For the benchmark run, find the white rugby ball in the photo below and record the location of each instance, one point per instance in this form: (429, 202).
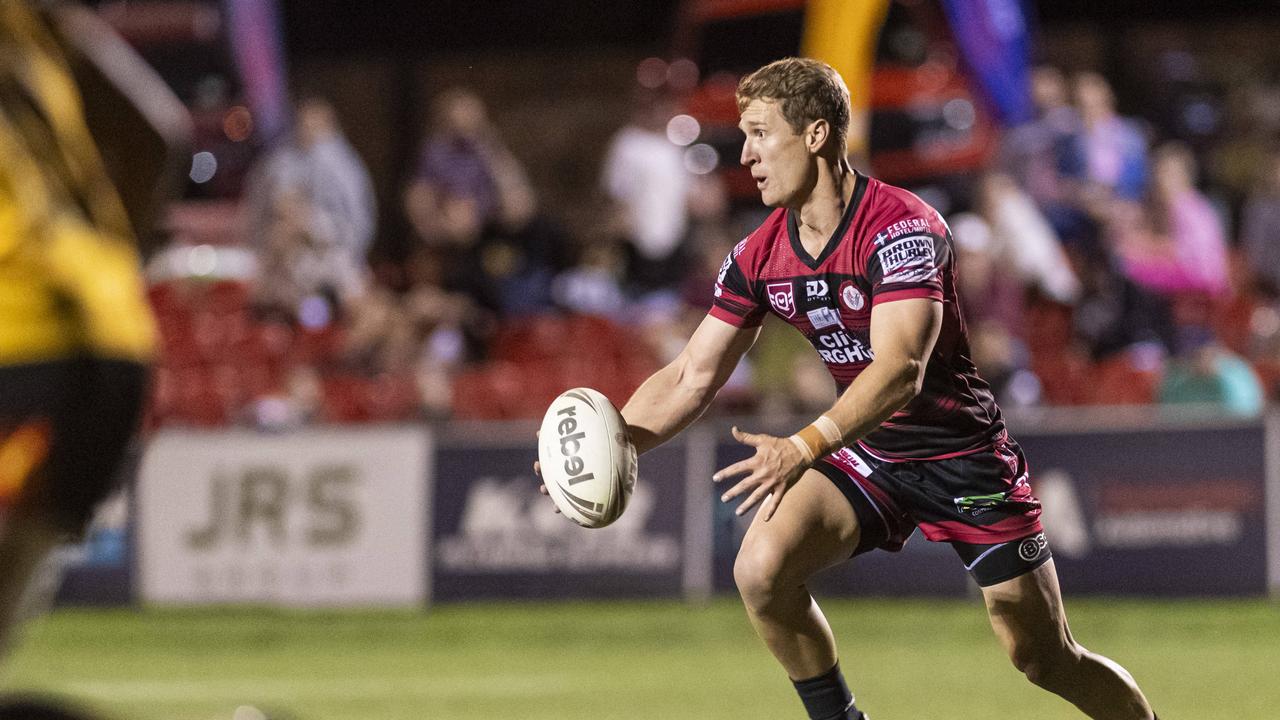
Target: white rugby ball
(587, 458)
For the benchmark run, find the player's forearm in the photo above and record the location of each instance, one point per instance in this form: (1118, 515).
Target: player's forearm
(667, 403)
(882, 389)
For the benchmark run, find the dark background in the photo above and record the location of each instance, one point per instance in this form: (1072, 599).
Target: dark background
(326, 27)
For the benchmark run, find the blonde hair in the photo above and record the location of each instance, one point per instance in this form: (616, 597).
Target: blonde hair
(807, 90)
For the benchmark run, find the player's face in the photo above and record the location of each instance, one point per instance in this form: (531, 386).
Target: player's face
(776, 154)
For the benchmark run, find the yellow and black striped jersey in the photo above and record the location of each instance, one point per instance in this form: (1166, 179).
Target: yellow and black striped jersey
(70, 281)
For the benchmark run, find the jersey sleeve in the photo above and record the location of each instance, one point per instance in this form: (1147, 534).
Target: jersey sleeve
(733, 301)
(908, 254)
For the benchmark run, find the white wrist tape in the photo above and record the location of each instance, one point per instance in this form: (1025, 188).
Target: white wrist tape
(829, 430)
(803, 447)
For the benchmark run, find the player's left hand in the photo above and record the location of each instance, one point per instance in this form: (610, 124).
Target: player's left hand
(775, 467)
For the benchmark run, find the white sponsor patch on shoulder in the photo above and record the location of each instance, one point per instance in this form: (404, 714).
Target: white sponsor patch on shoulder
(724, 269)
(910, 259)
(902, 227)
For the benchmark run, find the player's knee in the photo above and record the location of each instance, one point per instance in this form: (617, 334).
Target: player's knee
(758, 573)
(1046, 665)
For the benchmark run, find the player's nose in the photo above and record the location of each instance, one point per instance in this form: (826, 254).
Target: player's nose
(748, 156)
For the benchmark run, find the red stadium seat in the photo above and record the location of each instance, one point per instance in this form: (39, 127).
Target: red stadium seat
(1065, 376)
(474, 397)
(1117, 381)
(343, 400)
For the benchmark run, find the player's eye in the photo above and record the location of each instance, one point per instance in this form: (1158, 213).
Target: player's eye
(759, 132)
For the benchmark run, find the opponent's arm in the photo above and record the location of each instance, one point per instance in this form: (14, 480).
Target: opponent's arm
(141, 129)
(902, 334)
(679, 393)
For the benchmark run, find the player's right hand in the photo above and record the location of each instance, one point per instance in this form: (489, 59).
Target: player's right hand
(537, 470)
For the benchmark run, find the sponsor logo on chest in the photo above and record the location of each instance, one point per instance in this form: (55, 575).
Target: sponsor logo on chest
(842, 348)
(824, 317)
(815, 289)
(852, 297)
(782, 297)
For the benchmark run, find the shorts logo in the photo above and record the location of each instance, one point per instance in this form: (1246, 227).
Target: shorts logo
(852, 298)
(782, 296)
(815, 288)
(1031, 548)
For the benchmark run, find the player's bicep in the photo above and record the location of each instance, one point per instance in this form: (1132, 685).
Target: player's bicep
(714, 351)
(904, 331)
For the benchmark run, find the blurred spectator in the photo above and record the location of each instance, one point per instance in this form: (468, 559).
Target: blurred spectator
(505, 265)
(1251, 124)
(427, 332)
(1260, 228)
(994, 298)
(1114, 314)
(302, 270)
(594, 285)
(1026, 245)
(463, 162)
(310, 212)
(318, 172)
(1208, 373)
(1109, 157)
(1177, 244)
(1036, 152)
(511, 267)
(990, 293)
(644, 173)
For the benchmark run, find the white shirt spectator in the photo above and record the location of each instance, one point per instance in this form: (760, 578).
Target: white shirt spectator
(645, 172)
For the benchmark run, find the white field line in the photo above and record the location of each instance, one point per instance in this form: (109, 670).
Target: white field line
(267, 690)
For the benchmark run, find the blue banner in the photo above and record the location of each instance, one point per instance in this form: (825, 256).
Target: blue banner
(495, 536)
(254, 34)
(995, 44)
(1154, 512)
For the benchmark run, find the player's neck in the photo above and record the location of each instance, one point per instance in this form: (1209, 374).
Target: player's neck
(820, 213)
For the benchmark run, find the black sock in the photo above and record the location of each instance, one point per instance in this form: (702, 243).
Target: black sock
(826, 697)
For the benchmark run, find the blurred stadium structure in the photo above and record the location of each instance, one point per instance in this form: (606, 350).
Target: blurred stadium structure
(322, 439)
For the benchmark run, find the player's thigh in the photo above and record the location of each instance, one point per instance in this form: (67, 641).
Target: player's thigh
(65, 426)
(813, 528)
(1027, 614)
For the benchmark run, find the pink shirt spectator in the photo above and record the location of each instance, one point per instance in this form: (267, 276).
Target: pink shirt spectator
(1194, 256)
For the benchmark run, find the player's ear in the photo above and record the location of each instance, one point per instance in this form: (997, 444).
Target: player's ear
(817, 135)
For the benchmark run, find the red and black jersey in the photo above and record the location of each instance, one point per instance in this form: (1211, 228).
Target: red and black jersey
(890, 245)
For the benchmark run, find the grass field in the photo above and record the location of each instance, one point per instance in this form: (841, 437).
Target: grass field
(906, 660)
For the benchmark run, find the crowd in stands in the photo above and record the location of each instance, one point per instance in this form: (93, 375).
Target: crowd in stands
(1099, 263)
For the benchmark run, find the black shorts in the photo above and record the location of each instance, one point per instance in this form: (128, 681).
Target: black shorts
(64, 428)
(980, 503)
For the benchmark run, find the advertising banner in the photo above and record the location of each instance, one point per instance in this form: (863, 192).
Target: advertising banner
(315, 517)
(497, 537)
(1154, 512)
(97, 570)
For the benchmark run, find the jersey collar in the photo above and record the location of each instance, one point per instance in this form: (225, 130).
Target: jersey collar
(793, 227)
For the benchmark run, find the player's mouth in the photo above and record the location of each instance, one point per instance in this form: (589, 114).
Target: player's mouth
(760, 182)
